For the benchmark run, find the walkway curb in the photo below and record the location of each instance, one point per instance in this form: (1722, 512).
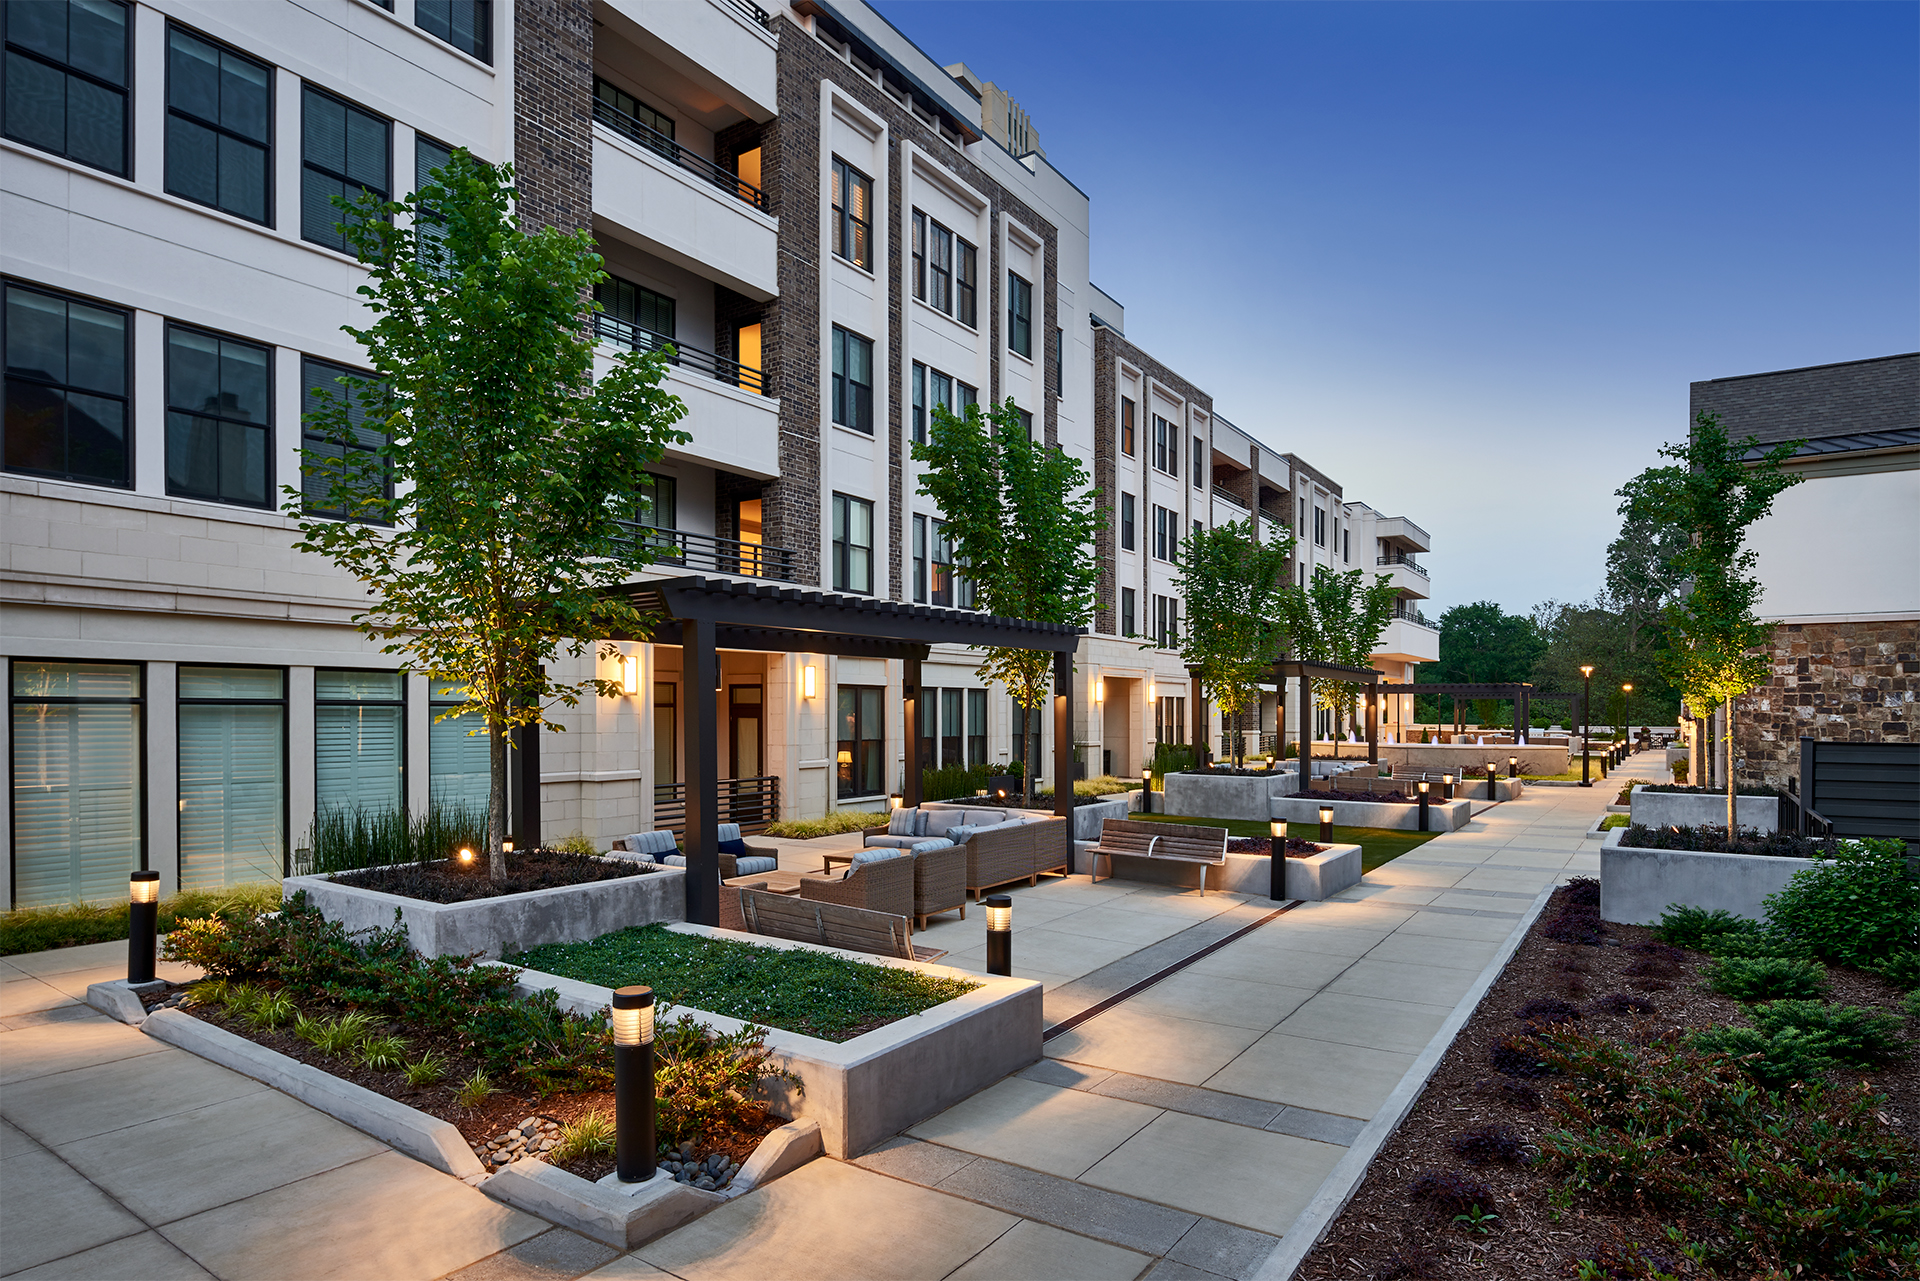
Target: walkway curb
(1339, 1186)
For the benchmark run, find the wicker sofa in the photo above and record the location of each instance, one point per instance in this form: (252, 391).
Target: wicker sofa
(1000, 848)
(660, 847)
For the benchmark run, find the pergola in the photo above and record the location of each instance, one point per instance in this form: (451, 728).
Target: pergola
(705, 615)
(1286, 668)
(1520, 692)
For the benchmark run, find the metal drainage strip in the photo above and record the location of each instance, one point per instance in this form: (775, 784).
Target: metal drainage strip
(1101, 1007)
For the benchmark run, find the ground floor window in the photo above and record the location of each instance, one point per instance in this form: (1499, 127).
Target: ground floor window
(77, 814)
(1033, 723)
(459, 754)
(359, 741)
(233, 775)
(1169, 719)
(861, 754)
(666, 735)
(976, 727)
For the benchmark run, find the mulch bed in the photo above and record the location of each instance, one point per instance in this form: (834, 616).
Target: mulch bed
(488, 1121)
(1383, 1234)
(1388, 798)
(1296, 848)
(455, 882)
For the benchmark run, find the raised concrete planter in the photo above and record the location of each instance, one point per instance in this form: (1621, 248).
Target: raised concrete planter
(1225, 796)
(1442, 816)
(494, 927)
(1088, 818)
(1636, 885)
(425, 1138)
(1693, 809)
(866, 1090)
(1441, 758)
(1313, 878)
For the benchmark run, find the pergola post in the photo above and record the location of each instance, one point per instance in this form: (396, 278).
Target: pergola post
(525, 779)
(910, 700)
(1280, 718)
(1063, 734)
(1373, 722)
(700, 671)
(1523, 719)
(1306, 729)
(1202, 749)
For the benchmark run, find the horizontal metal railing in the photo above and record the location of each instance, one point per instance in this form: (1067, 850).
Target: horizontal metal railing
(1401, 558)
(658, 143)
(754, 11)
(751, 802)
(730, 556)
(719, 368)
(1405, 615)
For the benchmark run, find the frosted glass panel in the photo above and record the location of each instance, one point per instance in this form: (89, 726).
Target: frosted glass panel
(76, 782)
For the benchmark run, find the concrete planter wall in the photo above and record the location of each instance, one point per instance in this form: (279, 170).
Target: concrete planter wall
(1226, 796)
(1441, 758)
(865, 1091)
(1313, 878)
(1442, 816)
(1694, 809)
(510, 923)
(1636, 885)
(1088, 818)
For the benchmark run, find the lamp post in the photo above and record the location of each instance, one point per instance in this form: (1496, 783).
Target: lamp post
(1000, 935)
(1586, 725)
(1326, 824)
(1146, 791)
(1277, 884)
(1446, 787)
(1627, 689)
(633, 1083)
(1423, 804)
(143, 917)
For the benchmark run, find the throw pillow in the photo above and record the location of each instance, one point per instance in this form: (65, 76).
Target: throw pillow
(960, 833)
(936, 843)
(733, 847)
(904, 822)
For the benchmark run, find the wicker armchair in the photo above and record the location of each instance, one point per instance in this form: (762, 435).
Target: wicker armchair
(1021, 853)
(939, 883)
(885, 885)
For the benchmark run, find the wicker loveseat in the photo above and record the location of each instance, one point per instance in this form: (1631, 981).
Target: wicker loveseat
(660, 847)
(1000, 846)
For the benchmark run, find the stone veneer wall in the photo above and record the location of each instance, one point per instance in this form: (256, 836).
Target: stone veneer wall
(1853, 682)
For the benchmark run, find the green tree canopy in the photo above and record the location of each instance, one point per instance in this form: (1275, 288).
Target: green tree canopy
(1336, 618)
(1232, 586)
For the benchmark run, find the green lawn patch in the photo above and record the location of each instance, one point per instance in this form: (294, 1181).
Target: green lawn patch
(1377, 844)
(41, 929)
(813, 993)
(1612, 821)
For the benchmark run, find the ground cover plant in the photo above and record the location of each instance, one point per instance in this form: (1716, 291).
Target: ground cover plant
(1713, 840)
(1294, 847)
(797, 989)
(1378, 845)
(454, 881)
(39, 929)
(832, 824)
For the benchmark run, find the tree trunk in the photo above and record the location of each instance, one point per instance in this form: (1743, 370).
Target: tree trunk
(497, 801)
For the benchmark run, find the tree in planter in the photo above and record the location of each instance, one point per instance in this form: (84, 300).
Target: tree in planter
(1711, 496)
(1231, 585)
(1336, 618)
(481, 484)
(1021, 521)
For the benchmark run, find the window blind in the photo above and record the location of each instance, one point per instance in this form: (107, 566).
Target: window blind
(459, 764)
(77, 823)
(358, 740)
(233, 777)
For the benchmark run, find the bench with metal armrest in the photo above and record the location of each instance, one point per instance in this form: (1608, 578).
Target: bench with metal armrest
(1127, 838)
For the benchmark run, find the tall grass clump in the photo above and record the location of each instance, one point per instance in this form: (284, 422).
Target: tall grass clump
(348, 838)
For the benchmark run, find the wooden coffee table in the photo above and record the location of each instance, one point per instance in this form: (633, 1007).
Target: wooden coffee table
(775, 882)
(827, 861)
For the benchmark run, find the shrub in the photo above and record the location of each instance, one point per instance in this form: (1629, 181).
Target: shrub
(575, 842)
(427, 1069)
(1766, 979)
(592, 1133)
(337, 1036)
(1759, 945)
(1625, 1003)
(1713, 840)
(1788, 1056)
(1686, 926)
(1573, 926)
(1657, 960)
(1856, 907)
(40, 929)
(834, 823)
(708, 1080)
(1583, 891)
(1903, 968)
(1544, 1010)
(348, 838)
(1525, 1097)
(949, 781)
(383, 1053)
(1449, 1193)
(475, 1090)
(1850, 1033)
(1913, 1005)
(1486, 1143)
(271, 1010)
(1518, 1056)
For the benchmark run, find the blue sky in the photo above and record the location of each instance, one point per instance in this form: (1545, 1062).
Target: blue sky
(1466, 258)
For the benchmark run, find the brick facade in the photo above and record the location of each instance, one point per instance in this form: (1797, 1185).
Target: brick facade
(553, 113)
(1853, 682)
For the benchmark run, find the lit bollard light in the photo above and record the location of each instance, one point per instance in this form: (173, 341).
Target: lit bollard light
(1326, 824)
(1277, 882)
(1000, 935)
(143, 918)
(1446, 787)
(1423, 785)
(633, 1084)
(1513, 767)
(1146, 791)
(1493, 779)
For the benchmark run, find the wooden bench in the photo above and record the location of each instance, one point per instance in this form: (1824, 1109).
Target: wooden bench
(1206, 846)
(856, 929)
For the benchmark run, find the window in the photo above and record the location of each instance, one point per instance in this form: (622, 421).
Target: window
(1027, 732)
(344, 152)
(1346, 544)
(1319, 527)
(952, 726)
(927, 716)
(919, 403)
(1126, 426)
(66, 77)
(976, 727)
(218, 418)
(940, 268)
(852, 545)
(621, 112)
(1199, 463)
(920, 559)
(944, 269)
(862, 741)
(634, 314)
(963, 395)
(1126, 611)
(1019, 316)
(919, 255)
(78, 813)
(1026, 423)
(467, 25)
(1166, 622)
(1126, 522)
(965, 284)
(233, 775)
(942, 556)
(359, 741)
(428, 158)
(321, 387)
(658, 505)
(219, 127)
(1198, 528)
(942, 390)
(66, 396)
(1059, 362)
(852, 214)
(1170, 719)
(666, 738)
(852, 380)
(459, 754)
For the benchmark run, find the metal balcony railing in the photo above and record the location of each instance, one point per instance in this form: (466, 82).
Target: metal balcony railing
(754, 11)
(1408, 614)
(1221, 491)
(1401, 558)
(751, 802)
(729, 556)
(718, 368)
(653, 140)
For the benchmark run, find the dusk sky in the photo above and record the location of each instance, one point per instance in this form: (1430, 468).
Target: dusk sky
(1466, 258)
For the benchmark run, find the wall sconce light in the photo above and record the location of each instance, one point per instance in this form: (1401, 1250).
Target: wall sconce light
(1326, 824)
(807, 678)
(1277, 873)
(630, 674)
(1000, 935)
(633, 1083)
(1150, 688)
(143, 916)
(1099, 689)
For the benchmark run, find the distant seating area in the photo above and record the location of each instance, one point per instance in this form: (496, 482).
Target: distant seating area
(829, 924)
(737, 858)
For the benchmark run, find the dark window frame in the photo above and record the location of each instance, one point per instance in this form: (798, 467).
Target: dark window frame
(919, 403)
(844, 546)
(845, 179)
(1127, 539)
(309, 91)
(852, 400)
(940, 269)
(1019, 315)
(482, 27)
(310, 439)
(268, 147)
(1127, 619)
(1126, 426)
(966, 283)
(919, 559)
(400, 702)
(124, 90)
(864, 698)
(267, 428)
(1199, 463)
(129, 436)
(285, 704)
(919, 255)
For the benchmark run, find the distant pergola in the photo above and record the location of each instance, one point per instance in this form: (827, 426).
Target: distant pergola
(1520, 693)
(705, 615)
(1287, 668)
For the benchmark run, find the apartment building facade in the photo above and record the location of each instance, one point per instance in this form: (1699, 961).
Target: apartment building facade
(812, 212)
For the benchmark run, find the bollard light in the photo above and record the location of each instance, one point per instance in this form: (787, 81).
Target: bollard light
(1493, 777)
(506, 846)
(1326, 824)
(1513, 767)
(1146, 791)
(1446, 787)
(143, 916)
(1424, 801)
(633, 1084)
(1586, 725)
(1000, 935)
(1277, 885)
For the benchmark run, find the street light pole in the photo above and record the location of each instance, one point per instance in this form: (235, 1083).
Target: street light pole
(1586, 727)
(1627, 689)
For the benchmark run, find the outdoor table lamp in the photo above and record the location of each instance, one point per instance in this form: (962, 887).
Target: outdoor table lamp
(1000, 935)
(1513, 767)
(1423, 785)
(1493, 777)
(1277, 831)
(1446, 787)
(1326, 824)
(633, 1083)
(143, 915)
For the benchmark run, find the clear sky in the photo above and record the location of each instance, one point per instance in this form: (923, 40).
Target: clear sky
(1465, 258)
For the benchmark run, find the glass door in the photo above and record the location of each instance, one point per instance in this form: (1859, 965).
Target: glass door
(743, 738)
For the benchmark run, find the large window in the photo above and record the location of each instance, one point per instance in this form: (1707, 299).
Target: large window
(1166, 533)
(1166, 446)
(1170, 719)
(1199, 463)
(459, 753)
(467, 25)
(942, 577)
(430, 156)
(659, 504)
(919, 403)
(1126, 611)
(852, 214)
(976, 727)
(219, 421)
(920, 560)
(852, 380)
(966, 283)
(78, 817)
(625, 111)
(945, 270)
(666, 736)
(233, 775)
(1019, 316)
(1126, 426)
(359, 741)
(1319, 527)
(345, 152)
(1166, 622)
(364, 472)
(66, 78)
(639, 316)
(1126, 522)
(219, 127)
(852, 545)
(66, 390)
(861, 749)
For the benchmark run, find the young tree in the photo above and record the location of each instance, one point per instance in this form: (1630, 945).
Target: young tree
(1711, 496)
(1336, 618)
(482, 481)
(1021, 520)
(1231, 586)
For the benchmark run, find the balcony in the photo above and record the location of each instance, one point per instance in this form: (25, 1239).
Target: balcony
(681, 356)
(1407, 640)
(676, 549)
(724, 47)
(735, 424)
(1401, 558)
(1406, 574)
(1406, 531)
(1412, 614)
(639, 131)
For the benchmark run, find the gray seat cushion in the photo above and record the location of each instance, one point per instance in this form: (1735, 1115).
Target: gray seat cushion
(877, 854)
(887, 841)
(938, 821)
(754, 865)
(936, 843)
